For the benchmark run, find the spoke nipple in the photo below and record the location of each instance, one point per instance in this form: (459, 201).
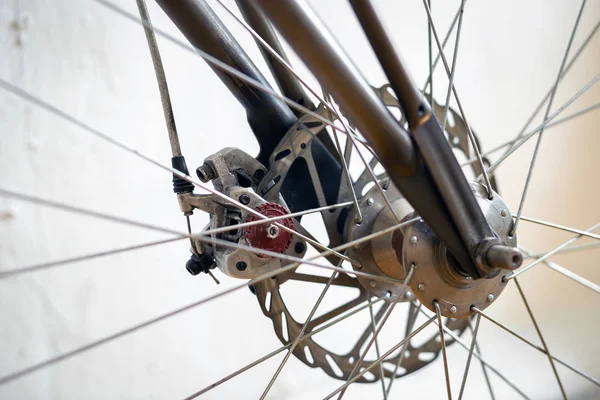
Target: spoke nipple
(370, 201)
(414, 240)
(490, 297)
(453, 310)
(373, 284)
(421, 286)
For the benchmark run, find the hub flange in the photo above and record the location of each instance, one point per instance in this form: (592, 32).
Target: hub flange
(436, 277)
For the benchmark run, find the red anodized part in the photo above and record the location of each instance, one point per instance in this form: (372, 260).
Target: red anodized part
(258, 235)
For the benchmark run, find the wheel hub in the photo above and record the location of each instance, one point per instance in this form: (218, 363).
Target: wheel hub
(436, 278)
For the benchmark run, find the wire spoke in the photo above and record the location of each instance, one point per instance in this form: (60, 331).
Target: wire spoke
(52, 264)
(539, 332)
(345, 165)
(430, 48)
(472, 139)
(561, 227)
(453, 69)
(507, 329)
(484, 368)
(126, 221)
(231, 244)
(299, 337)
(25, 95)
(379, 327)
(547, 125)
(366, 164)
(26, 371)
(410, 323)
(541, 134)
(572, 249)
(473, 343)
(564, 271)
(528, 136)
(377, 352)
(275, 352)
(443, 343)
(222, 66)
(548, 255)
(566, 69)
(478, 356)
(444, 42)
(383, 357)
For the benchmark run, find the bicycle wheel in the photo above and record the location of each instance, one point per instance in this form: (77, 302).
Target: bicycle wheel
(95, 301)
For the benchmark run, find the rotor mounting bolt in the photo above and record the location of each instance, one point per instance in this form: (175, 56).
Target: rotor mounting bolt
(272, 231)
(370, 201)
(453, 310)
(258, 175)
(421, 286)
(241, 266)
(503, 213)
(490, 297)
(408, 294)
(299, 247)
(414, 240)
(244, 199)
(372, 284)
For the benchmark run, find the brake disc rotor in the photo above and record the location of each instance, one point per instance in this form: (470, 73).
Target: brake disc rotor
(378, 258)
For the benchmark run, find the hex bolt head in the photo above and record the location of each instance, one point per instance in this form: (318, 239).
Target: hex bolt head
(414, 240)
(244, 199)
(503, 213)
(241, 266)
(490, 297)
(299, 247)
(408, 294)
(370, 201)
(373, 284)
(453, 310)
(421, 286)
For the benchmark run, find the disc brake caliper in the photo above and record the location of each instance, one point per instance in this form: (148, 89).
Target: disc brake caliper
(240, 252)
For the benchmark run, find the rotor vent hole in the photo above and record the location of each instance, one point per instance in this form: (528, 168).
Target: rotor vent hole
(426, 357)
(378, 169)
(450, 121)
(336, 368)
(392, 367)
(284, 327)
(268, 301)
(282, 154)
(395, 111)
(308, 355)
(368, 375)
(367, 187)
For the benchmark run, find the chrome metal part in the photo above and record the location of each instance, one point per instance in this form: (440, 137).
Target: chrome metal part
(381, 256)
(438, 280)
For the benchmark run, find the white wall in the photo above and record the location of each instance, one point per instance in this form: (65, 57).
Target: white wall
(93, 64)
